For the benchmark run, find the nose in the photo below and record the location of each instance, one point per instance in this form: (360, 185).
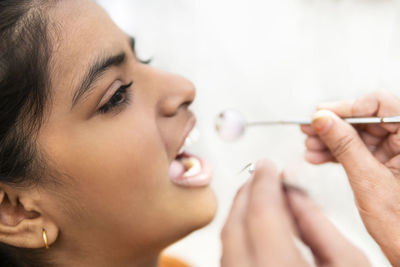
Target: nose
(178, 93)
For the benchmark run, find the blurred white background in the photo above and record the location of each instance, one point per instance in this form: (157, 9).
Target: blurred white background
(269, 59)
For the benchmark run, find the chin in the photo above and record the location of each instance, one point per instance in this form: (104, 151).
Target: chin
(199, 213)
(204, 212)
(207, 209)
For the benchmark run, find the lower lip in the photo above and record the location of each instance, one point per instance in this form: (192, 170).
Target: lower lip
(203, 178)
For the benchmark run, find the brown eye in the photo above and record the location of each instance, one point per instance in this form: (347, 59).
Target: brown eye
(116, 98)
(119, 97)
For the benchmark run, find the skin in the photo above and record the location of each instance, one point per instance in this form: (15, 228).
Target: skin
(264, 219)
(113, 203)
(370, 157)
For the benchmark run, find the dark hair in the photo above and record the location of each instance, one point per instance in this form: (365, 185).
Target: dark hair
(24, 90)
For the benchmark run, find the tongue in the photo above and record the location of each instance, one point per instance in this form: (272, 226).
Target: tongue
(176, 170)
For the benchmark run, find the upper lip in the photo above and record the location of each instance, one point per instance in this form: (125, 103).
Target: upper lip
(188, 128)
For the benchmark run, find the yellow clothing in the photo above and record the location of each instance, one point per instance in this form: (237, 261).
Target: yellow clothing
(167, 261)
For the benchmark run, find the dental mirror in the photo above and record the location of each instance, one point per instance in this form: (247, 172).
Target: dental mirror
(231, 124)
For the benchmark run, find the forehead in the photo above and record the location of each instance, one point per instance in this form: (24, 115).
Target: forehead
(83, 31)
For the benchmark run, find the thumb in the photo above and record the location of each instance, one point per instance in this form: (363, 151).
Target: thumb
(346, 146)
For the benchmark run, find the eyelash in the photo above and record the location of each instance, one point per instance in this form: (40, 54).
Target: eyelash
(111, 104)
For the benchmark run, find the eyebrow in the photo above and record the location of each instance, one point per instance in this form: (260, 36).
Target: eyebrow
(97, 69)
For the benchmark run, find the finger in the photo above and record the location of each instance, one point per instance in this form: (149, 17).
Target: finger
(265, 187)
(343, 142)
(238, 210)
(234, 243)
(319, 157)
(268, 224)
(394, 165)
(369, 139)
(389, 148)
(266, 209)
(388, 105)
(346, 146)
(381, 155)
(315, 144)
(342, 108)
(372, 149)
(286, 186)
(327, 244)
(376, 130)
(367, 105)
(379, 103)
(308, 130)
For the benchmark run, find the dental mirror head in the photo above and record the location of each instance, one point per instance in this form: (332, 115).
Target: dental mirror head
(230, 125)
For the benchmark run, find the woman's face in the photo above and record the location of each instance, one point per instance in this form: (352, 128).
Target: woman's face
(114, 129)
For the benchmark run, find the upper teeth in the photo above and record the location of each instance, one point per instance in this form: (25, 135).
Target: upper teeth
(190, 139)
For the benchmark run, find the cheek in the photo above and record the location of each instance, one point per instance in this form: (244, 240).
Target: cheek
(114, 167)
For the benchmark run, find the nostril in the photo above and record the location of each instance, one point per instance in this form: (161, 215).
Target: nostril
(171, 112)
(179, 93)
(186, 104)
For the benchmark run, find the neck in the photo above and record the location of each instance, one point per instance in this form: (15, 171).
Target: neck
(102, 259)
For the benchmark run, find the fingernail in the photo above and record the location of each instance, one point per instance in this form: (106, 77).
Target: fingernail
(322, 122)
(266, 165)
(259, 164)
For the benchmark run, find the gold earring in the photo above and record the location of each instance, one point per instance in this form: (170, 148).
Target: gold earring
(44, 234)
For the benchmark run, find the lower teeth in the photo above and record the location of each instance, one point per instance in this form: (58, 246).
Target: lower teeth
(192, 166)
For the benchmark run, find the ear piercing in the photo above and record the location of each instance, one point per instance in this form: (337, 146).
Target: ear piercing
(44, 234)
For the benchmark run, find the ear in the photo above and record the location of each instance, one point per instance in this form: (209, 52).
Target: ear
(22, 220)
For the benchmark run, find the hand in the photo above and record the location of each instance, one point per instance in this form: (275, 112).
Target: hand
(260, 229)
(370, 156)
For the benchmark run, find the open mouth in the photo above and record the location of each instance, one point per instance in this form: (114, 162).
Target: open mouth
(191, 164)
(187, 169)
